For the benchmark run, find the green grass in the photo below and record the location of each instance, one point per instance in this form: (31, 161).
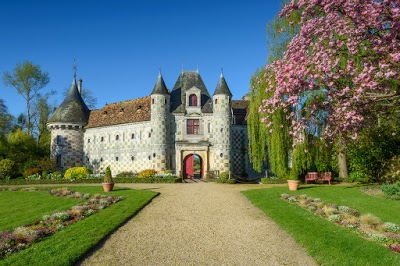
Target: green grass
(71, 243)
(326, 242)
(19, 208)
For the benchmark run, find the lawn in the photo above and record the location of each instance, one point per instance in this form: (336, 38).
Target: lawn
(326, 242)
(71, 243)
(19, 207)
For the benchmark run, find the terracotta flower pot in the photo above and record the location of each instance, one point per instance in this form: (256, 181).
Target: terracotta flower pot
(293, 184)
(108, 187)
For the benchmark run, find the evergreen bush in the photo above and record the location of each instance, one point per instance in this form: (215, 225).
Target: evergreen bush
(7, 168)
(108, 176)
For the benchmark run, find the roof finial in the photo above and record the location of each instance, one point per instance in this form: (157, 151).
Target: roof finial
(222, 73)
(74, 68)
(197, 69)
(159, 71)
(182, 67)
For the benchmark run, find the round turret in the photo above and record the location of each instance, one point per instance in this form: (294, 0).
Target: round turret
(67, 128)
(160, 105)
(222, 125)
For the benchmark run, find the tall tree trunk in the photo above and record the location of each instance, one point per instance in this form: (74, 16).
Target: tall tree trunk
(28, 111)
(342, 162)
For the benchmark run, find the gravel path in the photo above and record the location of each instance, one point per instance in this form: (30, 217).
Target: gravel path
(199, 224)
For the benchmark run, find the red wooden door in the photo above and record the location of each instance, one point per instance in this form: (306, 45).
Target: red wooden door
(188, 165)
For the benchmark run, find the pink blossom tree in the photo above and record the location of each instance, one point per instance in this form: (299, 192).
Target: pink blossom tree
(347, 49)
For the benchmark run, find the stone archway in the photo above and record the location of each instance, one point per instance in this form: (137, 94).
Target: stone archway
(193, 166)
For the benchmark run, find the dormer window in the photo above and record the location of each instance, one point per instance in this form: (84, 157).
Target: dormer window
(193, 100)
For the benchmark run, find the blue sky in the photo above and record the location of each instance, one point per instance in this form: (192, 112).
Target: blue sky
(119, 46)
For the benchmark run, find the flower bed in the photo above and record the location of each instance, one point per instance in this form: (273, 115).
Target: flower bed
(368, 225)
(21, 237)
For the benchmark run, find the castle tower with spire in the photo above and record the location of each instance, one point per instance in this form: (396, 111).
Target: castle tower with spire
(222, 112)
(160, 120)
(67, 129)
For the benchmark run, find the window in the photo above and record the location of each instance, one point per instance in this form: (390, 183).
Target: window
(58, 140)
(88, 140)
(102, 139)
(116, 158)
(117, 137)
(101, 159)
(216, 101)
(132, 136)
(192, 100)
(193, 126)
(132, 158)
(152, 101)
(149, 135)
(58, 160)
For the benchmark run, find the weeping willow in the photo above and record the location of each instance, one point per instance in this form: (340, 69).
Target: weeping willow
(270, 145)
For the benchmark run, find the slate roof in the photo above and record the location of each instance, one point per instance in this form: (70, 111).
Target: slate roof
(160, 87)
(73, 109)
(222, 87)
(187, 80)
(137, 110)
(240, 111)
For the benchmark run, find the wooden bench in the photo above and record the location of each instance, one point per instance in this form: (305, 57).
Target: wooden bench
(315, 176)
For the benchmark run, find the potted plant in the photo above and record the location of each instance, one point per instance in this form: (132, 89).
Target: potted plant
(294, 181)
(108, 182)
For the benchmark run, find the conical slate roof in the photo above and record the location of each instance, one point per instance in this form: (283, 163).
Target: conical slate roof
(222, 87)
(73, 109)
(160, 87)
(186, 81)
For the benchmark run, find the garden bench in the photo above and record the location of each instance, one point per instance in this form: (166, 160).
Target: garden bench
(323, 176)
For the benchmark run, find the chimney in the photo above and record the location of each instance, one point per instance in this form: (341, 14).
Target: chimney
(80, 86)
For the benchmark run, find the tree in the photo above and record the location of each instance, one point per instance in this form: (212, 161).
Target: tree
(28, 79)
(5, 119)
(266, 144)
(42, 113)
(350, 50)
(87, 96)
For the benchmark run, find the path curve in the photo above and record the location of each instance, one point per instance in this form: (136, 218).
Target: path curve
(199, 224)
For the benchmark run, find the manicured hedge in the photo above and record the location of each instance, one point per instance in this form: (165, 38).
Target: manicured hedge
(266, 180)
(88, 180)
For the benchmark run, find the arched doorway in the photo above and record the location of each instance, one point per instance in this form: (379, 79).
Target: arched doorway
(193, 166)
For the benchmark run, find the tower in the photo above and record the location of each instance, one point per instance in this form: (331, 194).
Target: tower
(160, 119)
(222, 126)
(67, 128)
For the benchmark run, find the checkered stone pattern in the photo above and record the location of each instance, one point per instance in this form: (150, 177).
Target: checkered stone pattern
(123, 148)
(239, 150)
(67, 142)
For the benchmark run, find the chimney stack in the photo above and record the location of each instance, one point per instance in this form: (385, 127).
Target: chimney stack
(80, 86)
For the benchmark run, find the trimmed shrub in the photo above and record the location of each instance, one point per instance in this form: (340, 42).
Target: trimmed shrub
(126, 174)
(391, 190)
(225, 180)
(32, 171)
(47, 164)
(267, 180)
(224, 175)
(147, 173)
(7, 168)
(108, 176)
(79, 172)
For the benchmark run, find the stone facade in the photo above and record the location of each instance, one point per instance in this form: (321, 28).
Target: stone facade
(158, 132)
